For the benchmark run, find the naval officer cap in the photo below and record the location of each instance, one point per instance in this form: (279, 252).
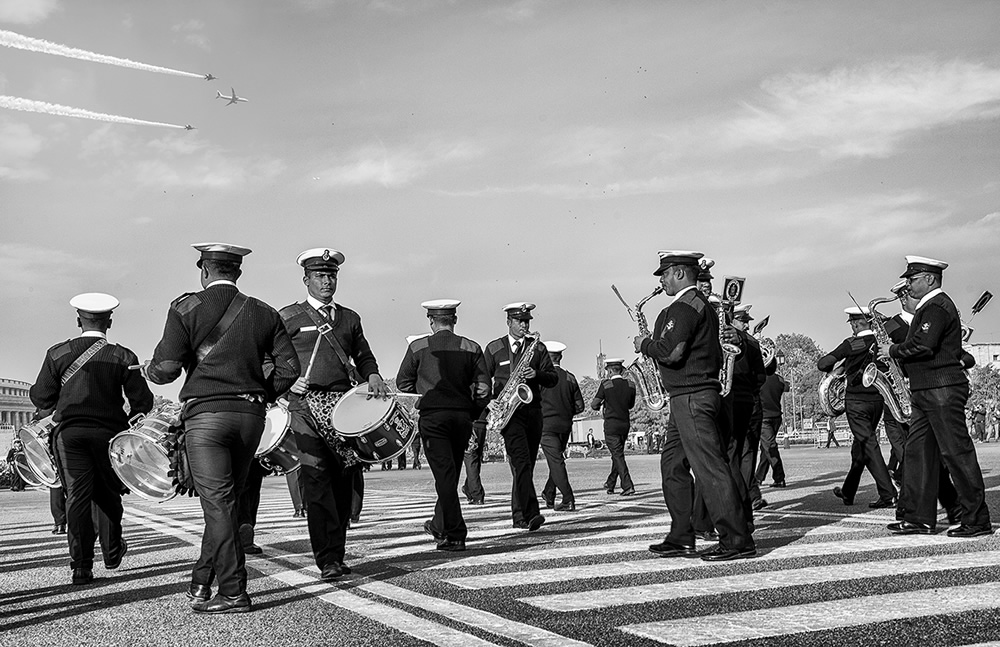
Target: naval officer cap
(855, 312)
(918, 264)
(520, 310)
(670, 258)
(441, 306)
(743, 312)
(705, 266)
(323, 259)
(613, 362)
(220, 252)
(555, 346)
(93, 305)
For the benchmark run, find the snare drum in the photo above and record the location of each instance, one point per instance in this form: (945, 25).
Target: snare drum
(378, 430)
(35, 436)
(24, 470)
(276, 450)
(143, 456)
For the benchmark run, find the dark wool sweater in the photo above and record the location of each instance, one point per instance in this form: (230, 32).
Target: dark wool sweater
(448, 371)
(561, 402)
(932, 354)
(690, 320)
(617, 395)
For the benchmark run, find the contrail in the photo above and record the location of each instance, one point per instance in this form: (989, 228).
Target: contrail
(27, 105)
(17, 41)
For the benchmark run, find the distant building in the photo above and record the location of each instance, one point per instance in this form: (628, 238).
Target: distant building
(15, 406)
(987, 354)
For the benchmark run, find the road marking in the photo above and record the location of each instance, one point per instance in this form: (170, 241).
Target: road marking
(601, 599)
(817, 616)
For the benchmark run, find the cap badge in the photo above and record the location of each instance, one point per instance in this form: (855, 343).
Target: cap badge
(326, 254)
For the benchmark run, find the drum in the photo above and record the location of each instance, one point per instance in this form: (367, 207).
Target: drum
(378, 430)
(143, 456)
(276, 450)
(35, 436)
(24, 470)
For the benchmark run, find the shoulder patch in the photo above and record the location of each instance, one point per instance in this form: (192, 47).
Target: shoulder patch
(289, 312)
(495, 346)
(468, 345)
(693, 299)
(924, 327)
(59, 350)
(185, 303)
(419, 344)
(858, 344)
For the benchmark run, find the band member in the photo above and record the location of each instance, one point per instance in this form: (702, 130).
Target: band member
(559, 405)
(327, 337)
(84, 379)
(222, 339)
(449, 373)
(745, 408)
(616, 396)
(932, 358)
(770, 402)
(863, 406)
(523, 433)
(685, 344)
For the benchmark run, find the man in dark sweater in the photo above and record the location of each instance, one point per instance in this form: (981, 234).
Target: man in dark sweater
(932, 358)
(559, 404)
(770, 402)
(616, 396)
(83, 379)
(222, 339)
(863, 406)
(327, 338)
(744, 404)
(449, 373)
(685, 344)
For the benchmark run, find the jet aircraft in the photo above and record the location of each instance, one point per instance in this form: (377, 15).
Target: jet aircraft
(189, 127)
(232, 99)
(209, 77)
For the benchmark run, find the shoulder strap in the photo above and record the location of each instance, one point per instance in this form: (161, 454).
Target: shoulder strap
(83, 359)
(325, 329)
(234, 309)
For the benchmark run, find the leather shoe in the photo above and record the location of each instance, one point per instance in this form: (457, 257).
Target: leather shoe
(62, 529)
(566, 506)
(452, 545)
(720, 554)
(252, 549)
(429, 529)
(610, 489)
(628, 492)
(116, 560)
(839, 493)
(777, 484)
(910, 528)
(707, 535)
(55, 529)
(477, 502)
(331, 572)
(883, 503)
(345, 569)
(246, 538)
(224, 604)
(970, 531)
(536, 523)
(955, 515)
(550, 503)
(667, 548)
(199, 592)
(83, 576)
(759, 503)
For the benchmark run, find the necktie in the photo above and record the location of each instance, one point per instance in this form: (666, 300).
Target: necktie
(517, 347)
(325, 311)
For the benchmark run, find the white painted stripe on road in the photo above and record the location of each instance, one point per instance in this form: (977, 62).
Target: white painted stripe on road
(817, 616)
(660, 565)
(476, 618)
(590, 600)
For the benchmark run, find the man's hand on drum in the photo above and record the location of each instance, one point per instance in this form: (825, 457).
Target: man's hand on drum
(300, 387)
(376, 387)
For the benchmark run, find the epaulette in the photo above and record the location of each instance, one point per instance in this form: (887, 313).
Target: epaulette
(495, 346)
(289, 312)
(59, 350)
(691, 298)
(419, 344)
(468, 345)
(858, 344)
(185, 303)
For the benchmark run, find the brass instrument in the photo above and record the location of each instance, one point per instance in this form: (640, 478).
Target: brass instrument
(729, 351)
(515, 392)
(832, 389)
(768, 349)
(887, 378)
(643, 371)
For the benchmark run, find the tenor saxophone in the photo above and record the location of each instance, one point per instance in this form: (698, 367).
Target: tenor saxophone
(887, 378)
(643, 370)
(729, 353)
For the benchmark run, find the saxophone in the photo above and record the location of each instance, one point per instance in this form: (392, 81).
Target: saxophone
(515, 392)
(644, 371)
(888, 380)
(729, 352)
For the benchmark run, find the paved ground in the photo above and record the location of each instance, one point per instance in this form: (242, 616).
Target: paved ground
(827, 574)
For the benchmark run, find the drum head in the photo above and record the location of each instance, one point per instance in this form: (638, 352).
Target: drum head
(142, 465)
(355, 413)
(36, 454)
(275, 423)
(24, 470)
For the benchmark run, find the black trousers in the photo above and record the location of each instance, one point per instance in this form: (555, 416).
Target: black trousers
(57, 505)
(328, 489)
(473, 487)
(249, 500)
(85, 468)
(770, 457)
(741, 449)
(896, 433)
(445, 437)
(521, 438)
(938, 435)
(694, 444)
(553, 446)
(863, 417)
(615, 437)
(220, 447)
(357, 492)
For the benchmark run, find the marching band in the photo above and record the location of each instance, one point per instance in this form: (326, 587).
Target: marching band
(284, 387)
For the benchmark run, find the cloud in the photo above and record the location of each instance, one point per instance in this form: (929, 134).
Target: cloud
(376, 164)
(18, 147)
(193, 33)
(26, 12)
(21, 264)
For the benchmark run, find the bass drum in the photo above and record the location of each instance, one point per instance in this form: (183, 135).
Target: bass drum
(378, 430)
(276, 450)
(36, 438)
(143, 456)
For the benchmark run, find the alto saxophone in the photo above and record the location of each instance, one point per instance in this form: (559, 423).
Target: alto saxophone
(729, 353)
(887, 379)
(515, 392)
(644, 371)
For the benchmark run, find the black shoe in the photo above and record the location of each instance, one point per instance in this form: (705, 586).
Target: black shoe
(224, 604)
(297, 515)
(429, 529)
(955, 515)
(62, 529)
(777, 484)
(345, 569)
(728, 554)
(706, 535)
(116, 560)
(883, 503)
(452, 545)
(759, 504)
(535, 523)
(331, 572)
(566, 506)
(83, 576)
(246, 538)
(521, 525)
(909, 528)
(55, 529)
(199, 592)
(839, 493)
(477, 502)
(667, 548)
(628, 492)
(252, 549)
(549, 503)
(966, 532)
(610, 489)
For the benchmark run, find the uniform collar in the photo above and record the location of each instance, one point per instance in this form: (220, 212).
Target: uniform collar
(682, 291)
(864, 333)
(94, 333)
(511, 341)
(317, 304)
(221, 282)
(618, 377)
(927, 297)
(906, 316)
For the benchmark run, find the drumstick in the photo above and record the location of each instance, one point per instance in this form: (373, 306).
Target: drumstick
(395, 394)
(319, 338)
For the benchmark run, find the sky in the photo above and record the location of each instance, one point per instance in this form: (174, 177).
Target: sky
(495, 152)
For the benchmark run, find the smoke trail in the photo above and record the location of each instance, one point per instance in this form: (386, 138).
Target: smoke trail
(17, 41)
(27, 105)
